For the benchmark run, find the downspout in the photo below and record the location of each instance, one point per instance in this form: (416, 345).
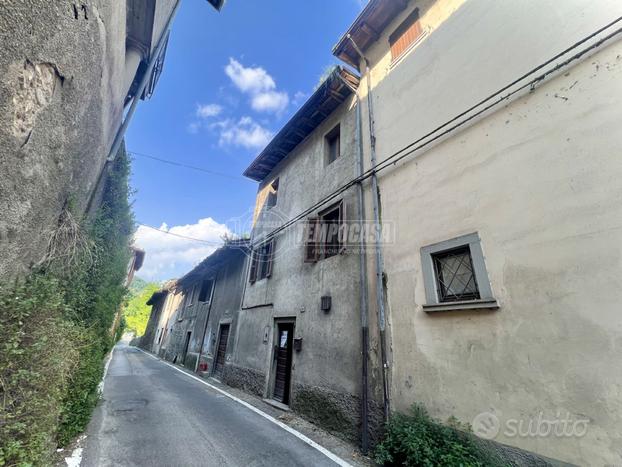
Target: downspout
(363, 288)
(118, 139)
(377, 237)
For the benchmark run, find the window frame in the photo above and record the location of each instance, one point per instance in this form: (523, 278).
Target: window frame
(486, 298)
(316, 251)
(262, 261)
(209, 294)
(413, 19)
(332, 135)
(273, 195)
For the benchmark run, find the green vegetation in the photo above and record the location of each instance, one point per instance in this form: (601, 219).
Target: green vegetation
(136, 312)
(57, 325)
(418, 440)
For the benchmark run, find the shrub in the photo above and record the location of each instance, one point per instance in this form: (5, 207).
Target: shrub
(57, 325)
(417, 440)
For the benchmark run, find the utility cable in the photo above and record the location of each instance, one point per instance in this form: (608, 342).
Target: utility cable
(193, 167)
(414, 146)
(209, 242)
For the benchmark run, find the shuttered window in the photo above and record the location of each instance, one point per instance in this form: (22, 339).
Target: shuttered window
(261, 261)
(405, 35)
(322, 234)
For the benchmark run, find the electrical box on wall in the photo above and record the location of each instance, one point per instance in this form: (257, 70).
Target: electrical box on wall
(325, 303)
(298, 344)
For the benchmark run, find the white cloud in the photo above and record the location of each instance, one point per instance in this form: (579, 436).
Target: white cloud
(259, 85)
(299, 98)
(271, 101)
(169, 256)
(208, 110)
(249, 80)
(245, 132)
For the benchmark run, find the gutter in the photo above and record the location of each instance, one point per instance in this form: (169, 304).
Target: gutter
(380, 297)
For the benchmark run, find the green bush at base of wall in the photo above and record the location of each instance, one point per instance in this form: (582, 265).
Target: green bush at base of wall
(417, 440)
(55, 330)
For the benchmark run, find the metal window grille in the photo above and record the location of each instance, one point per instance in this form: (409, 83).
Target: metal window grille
(455, 275)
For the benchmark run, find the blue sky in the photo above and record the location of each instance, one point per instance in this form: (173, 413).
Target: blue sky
(230, 81)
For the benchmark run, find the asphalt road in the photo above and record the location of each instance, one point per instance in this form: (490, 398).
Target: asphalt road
(154, 415)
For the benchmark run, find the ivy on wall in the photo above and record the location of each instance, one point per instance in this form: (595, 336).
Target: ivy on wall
(56, 327)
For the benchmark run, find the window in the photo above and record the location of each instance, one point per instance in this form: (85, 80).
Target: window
(454, 275)
(205, 293)
(455, 278)
(273, 194)
(322, 237)
(261, 261)
(333, 145)
(405, 35)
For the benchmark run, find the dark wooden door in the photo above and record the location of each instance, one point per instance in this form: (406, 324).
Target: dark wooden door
(186, 346)
(221, 352)
(283, 352)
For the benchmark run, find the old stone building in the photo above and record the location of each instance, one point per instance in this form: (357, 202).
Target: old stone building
(68, 70)
(476, 163)
(494, 135)
(194, 319)
(299, 337)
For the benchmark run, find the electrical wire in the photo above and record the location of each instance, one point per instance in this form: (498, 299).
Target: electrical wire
(415, 146)
(193, 167)
(180, 236)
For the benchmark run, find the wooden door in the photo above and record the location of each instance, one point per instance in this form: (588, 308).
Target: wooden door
(283, 351)
(221, 352)
(186, 346)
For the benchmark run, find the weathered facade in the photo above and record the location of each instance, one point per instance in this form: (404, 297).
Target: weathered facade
(308, 301)
(194, 319)
(488, 157)
(526, 193)
(67, 72)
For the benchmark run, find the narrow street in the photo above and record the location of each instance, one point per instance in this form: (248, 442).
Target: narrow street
(153, 415)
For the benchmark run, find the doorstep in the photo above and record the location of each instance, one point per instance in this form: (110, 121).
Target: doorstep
(277, 404)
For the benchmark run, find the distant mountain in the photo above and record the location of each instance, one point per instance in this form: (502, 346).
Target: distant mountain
(137, 285)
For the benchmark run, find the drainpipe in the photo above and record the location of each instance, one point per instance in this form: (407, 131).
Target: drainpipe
(377, 238)
(363, 288)
(130, 61)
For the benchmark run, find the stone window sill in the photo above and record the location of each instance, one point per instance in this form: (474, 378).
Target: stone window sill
(487, 304)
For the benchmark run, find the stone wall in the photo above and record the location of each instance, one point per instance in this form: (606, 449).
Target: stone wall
(247, 379)
(61, 97)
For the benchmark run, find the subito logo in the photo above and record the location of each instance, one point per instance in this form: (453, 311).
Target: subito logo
(486, 425)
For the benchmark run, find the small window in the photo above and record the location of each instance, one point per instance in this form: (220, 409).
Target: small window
(273, 194)
(333, 145)
(405, 35)
(455, 276)
(261, 261)
(205, 293)
(322, 237)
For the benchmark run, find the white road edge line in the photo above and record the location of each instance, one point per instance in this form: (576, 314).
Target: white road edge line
(100, 386)
(338, 460)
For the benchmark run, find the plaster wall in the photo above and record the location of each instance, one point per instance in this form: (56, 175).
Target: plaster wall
(330, 360)
(538, 179)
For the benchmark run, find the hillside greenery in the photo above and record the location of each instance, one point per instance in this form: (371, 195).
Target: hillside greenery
(136, 312)
(57, 325)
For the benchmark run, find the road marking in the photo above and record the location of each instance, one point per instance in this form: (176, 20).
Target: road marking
(338, 460)
(100, 386)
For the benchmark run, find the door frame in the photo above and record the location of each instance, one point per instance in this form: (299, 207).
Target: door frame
(273, 357)
(217, 345)
(186, 347)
